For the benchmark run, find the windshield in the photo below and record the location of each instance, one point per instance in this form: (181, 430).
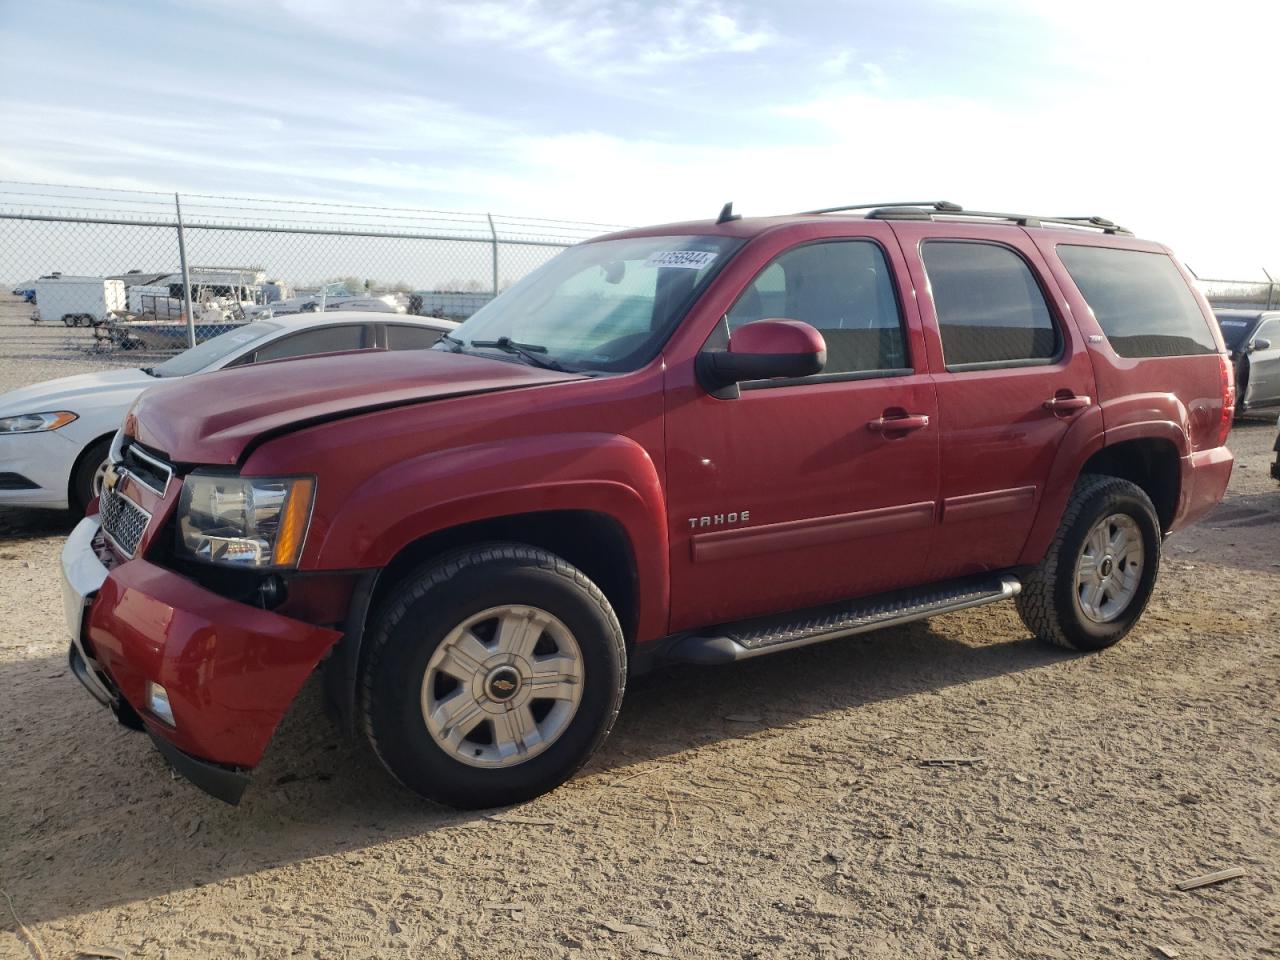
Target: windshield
(214, 349)
(1234, 330)
(606, 306)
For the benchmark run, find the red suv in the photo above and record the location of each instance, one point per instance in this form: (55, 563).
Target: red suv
(697, 442)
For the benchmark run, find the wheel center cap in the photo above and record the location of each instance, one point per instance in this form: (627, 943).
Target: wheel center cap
(1106, 566)
(502, 683)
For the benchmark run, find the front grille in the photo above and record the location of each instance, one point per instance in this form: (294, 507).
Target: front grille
(123, 521)
(147, 468)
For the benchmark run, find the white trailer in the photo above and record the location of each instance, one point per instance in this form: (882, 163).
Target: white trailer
(77, 301)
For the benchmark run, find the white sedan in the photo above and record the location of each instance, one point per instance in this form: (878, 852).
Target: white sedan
(55, 436)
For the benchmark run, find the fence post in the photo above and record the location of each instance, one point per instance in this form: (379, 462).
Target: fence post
(186, 275)
(1271, 288)
(494, 233)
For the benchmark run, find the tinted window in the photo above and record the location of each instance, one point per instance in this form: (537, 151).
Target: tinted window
(322, 340)
(1269, 330)
(990, 308)
(843, 288)
(401, 337)
(1142, 303)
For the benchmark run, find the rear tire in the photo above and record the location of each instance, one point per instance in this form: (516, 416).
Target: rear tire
(87, 471)
(1098, 574)
(492, 675)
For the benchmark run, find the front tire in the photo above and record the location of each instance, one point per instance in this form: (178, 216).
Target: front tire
(1098, 574)
(492, 675)
(86, 481)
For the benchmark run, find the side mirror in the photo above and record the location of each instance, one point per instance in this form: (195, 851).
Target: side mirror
(1262, 343)
(764, 350)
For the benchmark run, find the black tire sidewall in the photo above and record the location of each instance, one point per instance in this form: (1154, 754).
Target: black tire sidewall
(82, 479)
(413, 631)
(1086, 634)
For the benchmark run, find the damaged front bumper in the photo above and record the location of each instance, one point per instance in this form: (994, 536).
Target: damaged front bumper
(228, 670)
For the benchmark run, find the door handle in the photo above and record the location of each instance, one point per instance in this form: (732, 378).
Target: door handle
(1067, 404)
(917, 421)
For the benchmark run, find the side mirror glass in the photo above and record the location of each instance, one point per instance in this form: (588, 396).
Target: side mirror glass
(763, 350)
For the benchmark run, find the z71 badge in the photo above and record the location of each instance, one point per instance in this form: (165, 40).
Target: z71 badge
(720, 519)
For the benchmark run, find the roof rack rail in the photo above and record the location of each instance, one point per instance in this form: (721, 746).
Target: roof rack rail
(923, 212)
(941, 206)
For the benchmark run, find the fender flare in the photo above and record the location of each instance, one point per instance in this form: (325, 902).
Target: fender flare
(1070, 461)
(606, 474)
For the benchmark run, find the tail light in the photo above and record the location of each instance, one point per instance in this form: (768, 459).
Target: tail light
(1228, 397)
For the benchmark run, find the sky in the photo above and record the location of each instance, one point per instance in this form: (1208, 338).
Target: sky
(1161, 116)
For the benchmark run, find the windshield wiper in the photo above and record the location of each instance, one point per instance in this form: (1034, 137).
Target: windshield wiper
(526, 351)
(457, 343)
(150, 371)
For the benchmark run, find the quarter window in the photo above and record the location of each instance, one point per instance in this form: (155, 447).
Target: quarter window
(990, 307)
(842, 288)
(1140, 300)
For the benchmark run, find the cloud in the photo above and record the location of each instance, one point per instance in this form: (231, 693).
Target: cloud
(591, 37)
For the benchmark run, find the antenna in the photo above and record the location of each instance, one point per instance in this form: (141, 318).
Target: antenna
(727, 215)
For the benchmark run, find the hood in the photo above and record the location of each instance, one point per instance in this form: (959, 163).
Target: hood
(214, 418)
(71, 393)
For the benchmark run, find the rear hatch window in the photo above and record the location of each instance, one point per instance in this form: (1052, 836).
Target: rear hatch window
(1141, 300)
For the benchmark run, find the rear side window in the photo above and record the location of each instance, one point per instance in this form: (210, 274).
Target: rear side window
(842, 288)
(311, 342)
(990, 307)
(403, 337)
(1141, 301)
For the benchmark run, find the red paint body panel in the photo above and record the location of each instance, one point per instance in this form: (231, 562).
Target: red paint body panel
(995, 430)
(230, 670)
(213, 424)
(780, 498)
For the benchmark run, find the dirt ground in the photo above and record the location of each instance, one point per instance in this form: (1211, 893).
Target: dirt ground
(773, 809)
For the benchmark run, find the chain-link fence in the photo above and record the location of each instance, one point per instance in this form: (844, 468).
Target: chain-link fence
(1243, 294)
(151, 271)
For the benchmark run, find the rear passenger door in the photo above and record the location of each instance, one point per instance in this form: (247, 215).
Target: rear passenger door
(1012, 375)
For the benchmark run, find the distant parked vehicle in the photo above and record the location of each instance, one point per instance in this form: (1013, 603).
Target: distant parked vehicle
(333, 296)
(77, 301)
(55, 436)
(1253, 338)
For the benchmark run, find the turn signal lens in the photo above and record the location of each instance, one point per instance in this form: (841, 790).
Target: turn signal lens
(293, 523)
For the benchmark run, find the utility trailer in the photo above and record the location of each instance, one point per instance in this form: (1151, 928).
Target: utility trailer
(77, 301)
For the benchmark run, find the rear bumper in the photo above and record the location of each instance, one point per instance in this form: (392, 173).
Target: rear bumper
(1205, 476)
(230, 670)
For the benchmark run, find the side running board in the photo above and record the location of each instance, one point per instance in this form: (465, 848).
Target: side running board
(754, 638)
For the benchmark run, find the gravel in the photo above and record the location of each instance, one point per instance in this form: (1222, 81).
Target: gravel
(1097, 783)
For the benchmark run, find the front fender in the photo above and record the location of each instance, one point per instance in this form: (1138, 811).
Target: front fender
(602, 473)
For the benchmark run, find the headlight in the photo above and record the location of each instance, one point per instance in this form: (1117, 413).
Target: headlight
(249, 522)
(36, 422)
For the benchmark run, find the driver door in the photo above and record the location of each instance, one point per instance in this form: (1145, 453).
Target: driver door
(801, 492)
